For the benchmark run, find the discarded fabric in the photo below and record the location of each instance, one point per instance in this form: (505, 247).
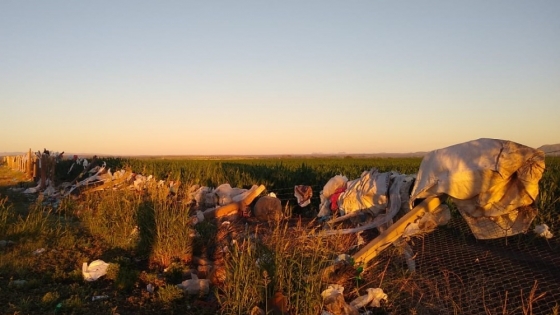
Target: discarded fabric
(492, 182)
(303, 194)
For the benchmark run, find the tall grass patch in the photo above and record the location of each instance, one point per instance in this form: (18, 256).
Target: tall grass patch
(112, 217)
(280, 260)
(165, 226)
(548, 200)
(34, 222)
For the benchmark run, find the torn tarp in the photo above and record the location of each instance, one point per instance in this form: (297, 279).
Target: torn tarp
(493, 183)
(381, 195)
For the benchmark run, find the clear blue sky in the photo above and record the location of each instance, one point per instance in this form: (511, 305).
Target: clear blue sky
(276, 77)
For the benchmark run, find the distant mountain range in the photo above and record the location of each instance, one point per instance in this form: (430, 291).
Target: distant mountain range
(549, 149)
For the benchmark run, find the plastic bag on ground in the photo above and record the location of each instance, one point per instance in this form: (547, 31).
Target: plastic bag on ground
(95, 270)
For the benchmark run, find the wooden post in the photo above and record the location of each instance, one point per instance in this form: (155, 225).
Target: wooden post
(35, 168)
(43, 169)
(395, 231)
(29, 165)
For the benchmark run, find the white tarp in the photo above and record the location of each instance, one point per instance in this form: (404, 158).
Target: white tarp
(493, 183)
(381, 195)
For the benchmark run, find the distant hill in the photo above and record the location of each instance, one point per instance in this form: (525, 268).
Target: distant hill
(548, 149)
(551, 149)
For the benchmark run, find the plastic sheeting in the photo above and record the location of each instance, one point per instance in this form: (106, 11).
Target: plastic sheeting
(493, 183)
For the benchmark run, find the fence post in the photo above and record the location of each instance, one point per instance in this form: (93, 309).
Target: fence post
(29, 166)
(35, 168)
(43, 167)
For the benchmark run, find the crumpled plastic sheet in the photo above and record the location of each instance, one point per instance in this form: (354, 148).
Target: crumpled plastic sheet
(543, 231)
(195, 286)
(94, 270)
(373, 297)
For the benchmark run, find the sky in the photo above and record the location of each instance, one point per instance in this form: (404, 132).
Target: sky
(276, 77)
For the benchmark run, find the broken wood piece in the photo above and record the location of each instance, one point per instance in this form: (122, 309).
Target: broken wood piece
(108, 183)
(396, 230)
(234, 207)
(346, 217)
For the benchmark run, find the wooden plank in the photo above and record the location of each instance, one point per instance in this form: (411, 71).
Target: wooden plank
(396, 230)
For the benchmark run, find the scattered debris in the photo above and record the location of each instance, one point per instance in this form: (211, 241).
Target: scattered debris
(99, 298)
(428, 222)
(238, 206)
(333, 300)
(335, 304)
(195, 286)
(492, 182)
(373, 297)
(303, 195)
(95, 270)
(543, 231)
(38, 251)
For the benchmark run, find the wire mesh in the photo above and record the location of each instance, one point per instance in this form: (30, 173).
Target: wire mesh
(458, 274)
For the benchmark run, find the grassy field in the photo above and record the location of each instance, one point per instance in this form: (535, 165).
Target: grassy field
(148, 241)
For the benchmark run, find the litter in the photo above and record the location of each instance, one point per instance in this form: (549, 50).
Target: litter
(195, 286)
(303, 195)
(95, 270)
(38, 251)
(99, 297)
(543, 231)
(492, 182)
(373, 297)
(333, 300)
